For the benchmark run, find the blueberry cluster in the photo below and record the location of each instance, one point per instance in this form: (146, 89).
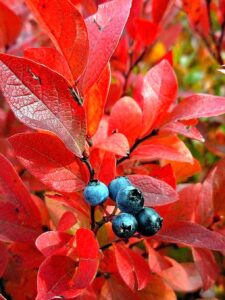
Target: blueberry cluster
(129, 199)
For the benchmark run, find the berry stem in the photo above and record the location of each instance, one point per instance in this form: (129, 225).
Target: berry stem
(137, 143)
(104, 210)
(92, 213)
(114, 211)
(105, 219)
(89, 166)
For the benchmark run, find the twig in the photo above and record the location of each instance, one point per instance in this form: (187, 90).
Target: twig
(137, 143)
(92, 174)
(92, 213)
(220, 41)
(89, 166)
(110, 244)
(132, 66)
(208, 3)
(217, 43)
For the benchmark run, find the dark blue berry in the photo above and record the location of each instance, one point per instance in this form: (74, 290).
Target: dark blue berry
(149, 221)
(124, 225)
(96, 192)
(130, 200)
(118, 184)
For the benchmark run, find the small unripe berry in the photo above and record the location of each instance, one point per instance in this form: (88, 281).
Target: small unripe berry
(130, 200)
(124, 225)
(96, 192)
(117, 184)
(149, 221)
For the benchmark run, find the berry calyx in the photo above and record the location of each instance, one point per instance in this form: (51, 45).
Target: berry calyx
(116, 185)
(96, 192)
(124, 225)
(130, 200)
(149, 221)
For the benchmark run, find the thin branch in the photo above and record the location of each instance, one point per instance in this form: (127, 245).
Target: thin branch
(110, 244)
(208, 46)
(132, 66)
(208, 3)
(217, 43)
(92, 213)
(89, 166)
(220, 41)
(137, 143)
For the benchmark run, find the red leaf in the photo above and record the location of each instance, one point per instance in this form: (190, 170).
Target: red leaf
(19, 217)
(169, 36)
(125, 267)
(215, 185)
(183, 170)
(66, 28)
(193, 235)
(158, 9)
(183, 277)
(157, 262)
(2, 298)
(197, 15)
(198, 106)
(104, 164)
(163, 147)
(94, 101)
(47, 158)
(126, 118)
(26, 256)
(186, 130)
(159, 91)
(67, 220)
(206, 210)
(157, 289)
(87, 249)
(104, 31)
(180, 211)
(53, 242)
(84, 239)
(42, 99)
(142, 271)
(135, 12)
(113, 289)
(50, 58)
(166, 174)
(147, 31)
(206, 265)
(221, 11)
(132, 268)
(54, 277)
(115, 93)
(156, 192)
(116, 143)
(3, 258)
(10, 25)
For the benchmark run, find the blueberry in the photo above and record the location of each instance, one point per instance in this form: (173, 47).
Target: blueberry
(124, 225)
(130, 200)
(149, 221)
(118, 184)
(96, 192)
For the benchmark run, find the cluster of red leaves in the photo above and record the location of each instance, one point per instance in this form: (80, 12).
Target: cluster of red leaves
(64, 92)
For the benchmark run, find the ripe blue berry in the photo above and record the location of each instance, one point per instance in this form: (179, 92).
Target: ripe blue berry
(124, 225)
(96, 192)
(149, 221)
(130, 200)
(118, 184)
